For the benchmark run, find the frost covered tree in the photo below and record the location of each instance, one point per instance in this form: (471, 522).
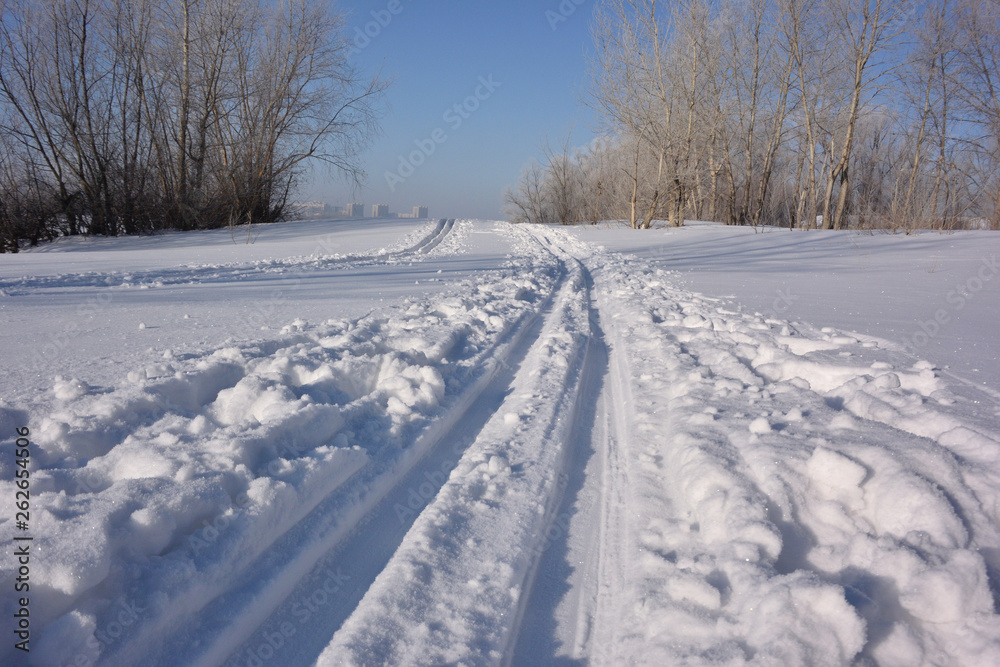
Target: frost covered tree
(862, 31)
(552, 191)
(758, 68)
(527, 202)
(871, 113)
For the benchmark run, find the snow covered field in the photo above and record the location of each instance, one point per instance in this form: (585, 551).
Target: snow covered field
(458, 442)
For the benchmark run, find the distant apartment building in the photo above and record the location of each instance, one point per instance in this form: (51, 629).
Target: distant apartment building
(380, 211)
(310, 210)
(355, 210)
(420, 212)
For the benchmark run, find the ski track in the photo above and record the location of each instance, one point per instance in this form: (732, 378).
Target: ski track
(568, 460)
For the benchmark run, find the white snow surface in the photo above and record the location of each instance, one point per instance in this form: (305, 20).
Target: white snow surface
(466, 442)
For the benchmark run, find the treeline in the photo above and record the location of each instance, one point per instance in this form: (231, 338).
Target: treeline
(129, 116)
(838, 113)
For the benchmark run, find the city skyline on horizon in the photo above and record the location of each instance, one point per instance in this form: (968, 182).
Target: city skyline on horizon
(318, 209)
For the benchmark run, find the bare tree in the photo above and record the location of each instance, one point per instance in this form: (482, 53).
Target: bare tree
(759, 66)
(564, 183)
(926, 84)
(526, 203)
(186, 113)
(624, 72)
(863, 30)
(979, 85)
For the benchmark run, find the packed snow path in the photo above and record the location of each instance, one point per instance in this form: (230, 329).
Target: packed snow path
(565, 458)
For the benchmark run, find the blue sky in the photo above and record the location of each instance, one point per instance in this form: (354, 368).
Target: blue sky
(529, 78)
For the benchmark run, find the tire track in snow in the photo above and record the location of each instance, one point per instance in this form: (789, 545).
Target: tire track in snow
(570, 608)
(599, 615)
(361, 548)
(323, 259)
(433, 240)
(546, 580)
(454, 590)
